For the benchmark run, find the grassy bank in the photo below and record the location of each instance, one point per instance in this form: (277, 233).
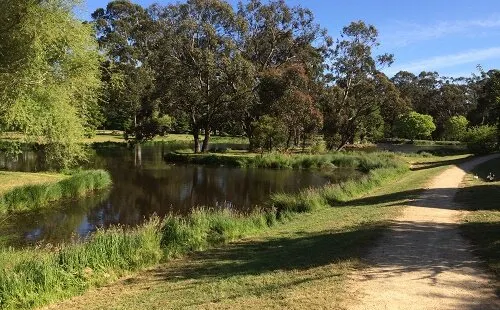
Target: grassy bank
(363, 161)
(33, 196)
(482, 224)
(328, 240)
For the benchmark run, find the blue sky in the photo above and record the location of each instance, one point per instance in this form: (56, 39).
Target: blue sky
(448, 36)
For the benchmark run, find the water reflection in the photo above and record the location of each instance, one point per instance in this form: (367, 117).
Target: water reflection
(145, 185)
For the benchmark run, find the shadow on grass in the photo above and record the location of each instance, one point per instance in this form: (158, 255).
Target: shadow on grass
(299, 252)
(434, 164)
(408, 253)
(486, 239)
(438, 198)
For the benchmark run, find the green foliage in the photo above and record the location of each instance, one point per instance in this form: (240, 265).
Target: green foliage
(269, 133)
(37, 196)
(359, 92)
(455, 128)
(482, 139)
(414, 125)
(50, 75)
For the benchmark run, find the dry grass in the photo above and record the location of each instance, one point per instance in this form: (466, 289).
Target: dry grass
(10, 180)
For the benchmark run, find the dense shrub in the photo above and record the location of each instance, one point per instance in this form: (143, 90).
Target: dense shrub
(414, 125)
(482, 139)
(455, 128)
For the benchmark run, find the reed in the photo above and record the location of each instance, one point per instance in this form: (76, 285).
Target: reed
(36, 196)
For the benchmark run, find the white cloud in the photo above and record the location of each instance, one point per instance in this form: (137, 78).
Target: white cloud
(446, 61)
(406, 33)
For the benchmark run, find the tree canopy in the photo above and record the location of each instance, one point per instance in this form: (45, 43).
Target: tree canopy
(49, 76)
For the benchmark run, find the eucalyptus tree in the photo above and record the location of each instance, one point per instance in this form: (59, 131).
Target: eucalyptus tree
(127, 35)
(199, 65)
(49, 75)
(278, 37)
(487, 93)
(357, 90)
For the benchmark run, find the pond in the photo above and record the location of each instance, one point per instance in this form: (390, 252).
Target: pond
(144, 185)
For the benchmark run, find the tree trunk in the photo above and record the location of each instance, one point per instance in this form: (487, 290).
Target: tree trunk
(289, 139)
(204, 147)
(196, 136)
(249, 133)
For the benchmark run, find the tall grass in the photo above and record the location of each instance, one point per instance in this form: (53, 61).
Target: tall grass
(37, 196)
(359, 160)
(30, 278)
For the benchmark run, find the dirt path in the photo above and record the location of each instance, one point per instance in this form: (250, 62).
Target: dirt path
(423, 262)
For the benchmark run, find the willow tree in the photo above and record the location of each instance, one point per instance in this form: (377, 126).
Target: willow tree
(49, 76)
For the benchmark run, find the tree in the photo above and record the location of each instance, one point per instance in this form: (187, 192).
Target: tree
(278, 39)
(127, 34)
(455, 128)
(356, 93)
(482, 139)
(270, 132)
(49, 76)
(414, 125)
(290, 97)
(487, 89)
(200, 65)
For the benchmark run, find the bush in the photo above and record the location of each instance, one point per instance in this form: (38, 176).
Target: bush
(482, 139)
(269, 133)
(455, 128)
(414, 125)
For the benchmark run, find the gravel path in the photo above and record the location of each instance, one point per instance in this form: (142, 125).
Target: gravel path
(423, 262)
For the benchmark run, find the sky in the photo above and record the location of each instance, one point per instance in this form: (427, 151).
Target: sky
(451, 37)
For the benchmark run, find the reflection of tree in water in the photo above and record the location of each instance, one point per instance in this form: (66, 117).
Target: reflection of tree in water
(62, 221)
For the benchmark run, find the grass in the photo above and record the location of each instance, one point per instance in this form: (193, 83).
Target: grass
(420, 142)
(481, 225)
(30, 278)
(10, 180)
(41, 194)
(359, 160)
(305, 262)
(104, 136)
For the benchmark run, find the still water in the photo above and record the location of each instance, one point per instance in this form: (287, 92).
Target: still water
(143, 185)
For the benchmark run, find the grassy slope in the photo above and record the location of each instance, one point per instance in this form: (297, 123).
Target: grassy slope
(10, 180)
(305, 261)
(482, 224)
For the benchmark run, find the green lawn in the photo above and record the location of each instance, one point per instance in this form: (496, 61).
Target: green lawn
(10, 180)
(482, 224)
(305, 261)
